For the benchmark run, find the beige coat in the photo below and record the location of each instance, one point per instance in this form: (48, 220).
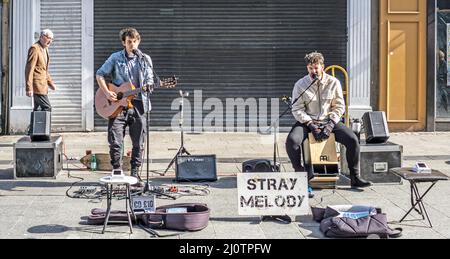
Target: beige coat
(37, 77)
(324, 100)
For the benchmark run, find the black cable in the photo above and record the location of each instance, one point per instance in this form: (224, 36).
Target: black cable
(196, 190)
(81, 194)
(322, 198)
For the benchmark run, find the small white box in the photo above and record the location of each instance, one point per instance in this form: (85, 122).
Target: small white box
(421, 168)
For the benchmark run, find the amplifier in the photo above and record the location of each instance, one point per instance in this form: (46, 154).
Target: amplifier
(38, 159)
(196, 168)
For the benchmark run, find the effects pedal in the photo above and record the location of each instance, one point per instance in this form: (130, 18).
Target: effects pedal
(173, 189)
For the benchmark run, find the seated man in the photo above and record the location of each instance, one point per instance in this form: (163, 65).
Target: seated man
(319, 110)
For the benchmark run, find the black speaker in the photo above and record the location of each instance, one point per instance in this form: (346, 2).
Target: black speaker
(40, 126)
(259, 165)
(377, 130)
(196, 168)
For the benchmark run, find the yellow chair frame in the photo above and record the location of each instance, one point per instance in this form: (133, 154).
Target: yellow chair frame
(345, 91)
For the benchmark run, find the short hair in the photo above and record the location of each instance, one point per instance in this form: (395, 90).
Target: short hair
(314, 58)
(441, 54)
(129, 32)
(47, 33)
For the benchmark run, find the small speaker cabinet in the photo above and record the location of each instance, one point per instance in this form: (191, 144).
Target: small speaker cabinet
(38, 159)
(40, 127)
(259, 165)
(196, 168)
(376, 127)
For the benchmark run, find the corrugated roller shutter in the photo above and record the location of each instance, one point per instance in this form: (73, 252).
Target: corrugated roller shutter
(63, 17)
(226, 48)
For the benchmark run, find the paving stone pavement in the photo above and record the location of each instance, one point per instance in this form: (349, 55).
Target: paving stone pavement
(40, 208)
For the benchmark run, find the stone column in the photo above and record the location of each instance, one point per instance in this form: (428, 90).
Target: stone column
(25, 25)
(359, 56)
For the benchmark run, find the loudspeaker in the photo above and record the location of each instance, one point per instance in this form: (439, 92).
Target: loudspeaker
(196, 168)
(377, 130)
(259, 166)
(40, 126)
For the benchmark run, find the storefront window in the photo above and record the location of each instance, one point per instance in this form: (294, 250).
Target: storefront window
(443, 60)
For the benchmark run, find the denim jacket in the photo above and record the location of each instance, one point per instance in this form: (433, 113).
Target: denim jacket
(116, 67)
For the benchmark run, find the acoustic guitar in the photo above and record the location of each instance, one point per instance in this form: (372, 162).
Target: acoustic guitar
(125, 93)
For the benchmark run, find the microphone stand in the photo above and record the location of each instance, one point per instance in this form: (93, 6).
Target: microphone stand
(276, 123)
(276, 168)
(147, 132)
(147, 188)
(182, 150)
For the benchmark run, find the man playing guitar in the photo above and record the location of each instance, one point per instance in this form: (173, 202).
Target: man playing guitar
(128, 66)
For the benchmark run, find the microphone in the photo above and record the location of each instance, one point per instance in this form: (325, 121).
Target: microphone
(315, 78)
(184, 94)
(286, 99)
(138, 53)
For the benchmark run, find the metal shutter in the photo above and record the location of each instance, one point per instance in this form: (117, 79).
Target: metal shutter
(63, 17)
(227, 49)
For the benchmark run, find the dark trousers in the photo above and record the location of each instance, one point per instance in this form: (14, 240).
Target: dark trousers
(343, 135)
(136, 122)
(42, 102)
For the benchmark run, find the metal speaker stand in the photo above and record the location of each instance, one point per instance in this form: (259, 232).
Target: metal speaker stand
(182, 150)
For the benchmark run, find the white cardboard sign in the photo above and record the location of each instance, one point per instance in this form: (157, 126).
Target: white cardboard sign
(262, 194)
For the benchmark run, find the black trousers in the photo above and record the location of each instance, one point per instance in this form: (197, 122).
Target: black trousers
(136, 122)
(343, 135)
(42, 102)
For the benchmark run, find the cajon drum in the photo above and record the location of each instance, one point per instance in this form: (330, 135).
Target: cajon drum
(323, 160)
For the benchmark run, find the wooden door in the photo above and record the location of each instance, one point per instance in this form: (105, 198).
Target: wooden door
(403, 63)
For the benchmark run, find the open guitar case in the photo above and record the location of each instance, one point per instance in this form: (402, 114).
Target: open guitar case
(195, 218)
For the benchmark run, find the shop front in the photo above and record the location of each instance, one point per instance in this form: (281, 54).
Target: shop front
(441, 78)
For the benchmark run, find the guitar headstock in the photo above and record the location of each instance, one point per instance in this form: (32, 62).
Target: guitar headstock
(169, 82)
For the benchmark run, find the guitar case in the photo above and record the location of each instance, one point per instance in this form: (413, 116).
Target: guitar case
(196, 218)
(98, 216)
